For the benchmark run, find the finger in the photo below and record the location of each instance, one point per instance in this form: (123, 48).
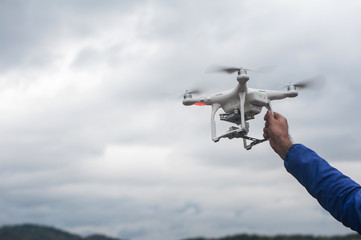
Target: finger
(265, 132)
(266, 116)
(265, 135)
(277, 115)
(270, 116)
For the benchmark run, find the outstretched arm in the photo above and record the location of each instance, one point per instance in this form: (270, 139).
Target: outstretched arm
(336, 193)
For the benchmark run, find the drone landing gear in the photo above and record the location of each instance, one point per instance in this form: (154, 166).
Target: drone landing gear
(238, 117)
(235, 132)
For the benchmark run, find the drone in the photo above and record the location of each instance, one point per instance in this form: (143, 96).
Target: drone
(241, 104)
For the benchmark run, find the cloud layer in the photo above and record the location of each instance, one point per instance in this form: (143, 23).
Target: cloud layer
(95, 138)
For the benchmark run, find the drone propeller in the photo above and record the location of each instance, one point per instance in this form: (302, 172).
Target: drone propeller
(311, 83)
(188, 94)
(217, 68)
(194, 91)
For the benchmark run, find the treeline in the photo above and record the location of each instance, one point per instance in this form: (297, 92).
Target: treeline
(36, 232)
(282, 237)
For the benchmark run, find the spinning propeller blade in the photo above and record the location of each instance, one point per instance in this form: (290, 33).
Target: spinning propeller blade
(311, 83)
(265, 69)
(217, 68)
(194, 91)
(189, 93)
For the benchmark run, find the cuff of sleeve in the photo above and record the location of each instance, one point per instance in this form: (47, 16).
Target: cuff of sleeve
(294, 149)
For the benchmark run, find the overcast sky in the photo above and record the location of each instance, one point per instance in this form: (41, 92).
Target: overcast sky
(94, 136)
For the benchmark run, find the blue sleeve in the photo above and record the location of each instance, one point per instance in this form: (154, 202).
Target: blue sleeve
(336, 193)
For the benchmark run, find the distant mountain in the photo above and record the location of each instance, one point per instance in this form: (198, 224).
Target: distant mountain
(36, 232)
(98, 237)
(282, 237)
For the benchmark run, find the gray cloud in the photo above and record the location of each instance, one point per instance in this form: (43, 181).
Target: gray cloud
(92, 121)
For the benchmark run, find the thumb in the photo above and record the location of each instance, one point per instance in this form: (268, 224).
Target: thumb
(278, 116)
(271, 116)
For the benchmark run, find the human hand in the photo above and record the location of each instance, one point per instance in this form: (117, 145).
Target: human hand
(276, 130)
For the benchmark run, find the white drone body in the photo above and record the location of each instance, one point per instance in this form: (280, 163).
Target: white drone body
(240, 105)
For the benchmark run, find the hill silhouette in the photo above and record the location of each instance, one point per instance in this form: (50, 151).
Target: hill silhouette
(282, 237)
(37, 232)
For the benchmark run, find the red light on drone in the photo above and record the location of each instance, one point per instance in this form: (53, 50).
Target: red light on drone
(200, 104)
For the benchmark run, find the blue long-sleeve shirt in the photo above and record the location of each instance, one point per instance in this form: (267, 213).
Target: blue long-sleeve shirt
(337, 193)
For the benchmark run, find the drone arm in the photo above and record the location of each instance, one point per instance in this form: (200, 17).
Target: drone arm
(215, 108)
(276, 95)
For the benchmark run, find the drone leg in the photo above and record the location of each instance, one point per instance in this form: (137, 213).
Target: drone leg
(245, 143)
(242, 98)
(268, 106)
(215, 108)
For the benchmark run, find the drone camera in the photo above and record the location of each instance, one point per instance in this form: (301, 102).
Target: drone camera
(234, 117)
